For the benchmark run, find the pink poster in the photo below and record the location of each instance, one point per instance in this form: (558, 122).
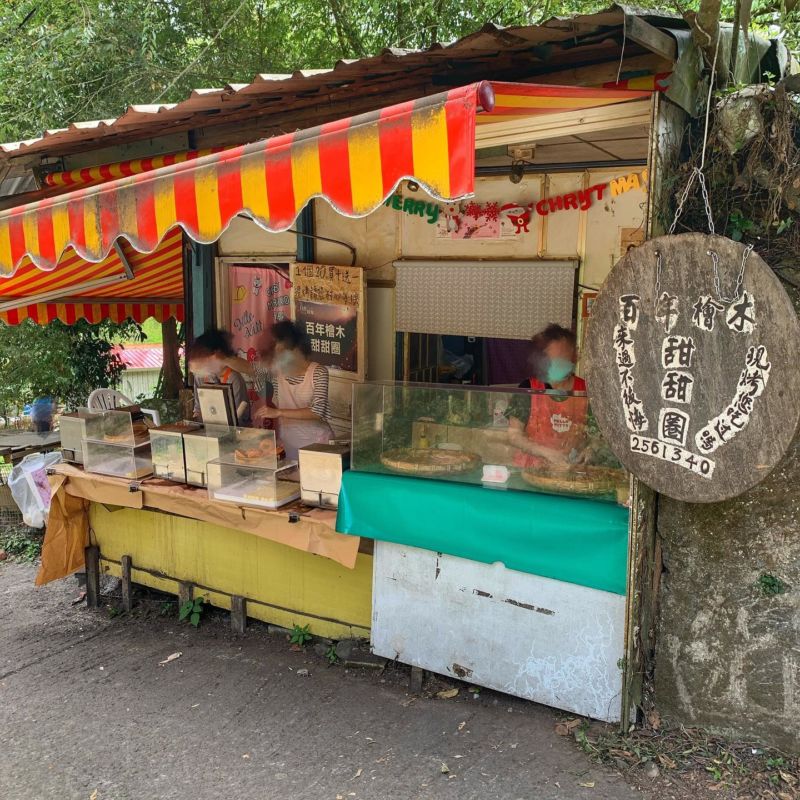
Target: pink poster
(259, 298)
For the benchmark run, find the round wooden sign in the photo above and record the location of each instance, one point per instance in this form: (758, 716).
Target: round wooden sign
(692, 366)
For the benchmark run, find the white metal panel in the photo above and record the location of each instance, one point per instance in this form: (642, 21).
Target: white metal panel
(501, 298)
(552, 642)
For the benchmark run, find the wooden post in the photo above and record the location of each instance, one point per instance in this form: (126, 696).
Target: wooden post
(92, 556)
(173, 381)
(238, 614)
(185, 593)
(415, 682)
(127, 588)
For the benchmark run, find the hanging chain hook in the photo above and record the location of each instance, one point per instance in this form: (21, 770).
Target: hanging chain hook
(697, 171)
(658, 278)
(737, 292)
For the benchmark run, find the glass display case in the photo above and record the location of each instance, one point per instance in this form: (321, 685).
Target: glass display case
(242, 446)
(250, 470)
(117, 443)
(253, 485)
(166, 445)
(119, 460)
(497, 437)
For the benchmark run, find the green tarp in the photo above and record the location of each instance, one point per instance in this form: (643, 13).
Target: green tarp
(573, 540)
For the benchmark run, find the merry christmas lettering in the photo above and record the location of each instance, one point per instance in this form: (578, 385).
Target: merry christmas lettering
(518, 213)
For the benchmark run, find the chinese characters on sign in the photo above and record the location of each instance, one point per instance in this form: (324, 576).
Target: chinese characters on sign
(692, 369)
(677, 354)
(328, 304)
(752, 382)
(626, 360)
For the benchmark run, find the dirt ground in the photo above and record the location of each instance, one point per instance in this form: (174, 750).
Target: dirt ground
(86, 711)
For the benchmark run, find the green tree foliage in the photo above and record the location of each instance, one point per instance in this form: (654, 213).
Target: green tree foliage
(68, 60)
(62, 361)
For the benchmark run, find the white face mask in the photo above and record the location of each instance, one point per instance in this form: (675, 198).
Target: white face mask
(283, 362)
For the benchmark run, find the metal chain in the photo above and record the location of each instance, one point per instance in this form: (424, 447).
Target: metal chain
(697, 174)
(707, 201)
(658, 278)
(737, 292)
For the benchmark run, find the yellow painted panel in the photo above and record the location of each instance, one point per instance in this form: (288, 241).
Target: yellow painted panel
(524, 102)
(297, 587)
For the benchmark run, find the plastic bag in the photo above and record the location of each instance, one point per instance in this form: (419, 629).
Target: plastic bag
(30, 487)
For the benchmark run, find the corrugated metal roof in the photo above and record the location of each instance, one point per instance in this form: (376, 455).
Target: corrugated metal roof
(550, 46)
(140, 356)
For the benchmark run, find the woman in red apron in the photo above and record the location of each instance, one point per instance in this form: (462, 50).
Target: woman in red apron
(549, 429)
(300, 403)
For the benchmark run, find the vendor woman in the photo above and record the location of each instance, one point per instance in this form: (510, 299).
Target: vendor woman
(549, 429)
(300, 404)
(208, 357)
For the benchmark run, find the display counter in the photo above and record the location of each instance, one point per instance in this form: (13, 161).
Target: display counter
(501, 534)
(290, 565)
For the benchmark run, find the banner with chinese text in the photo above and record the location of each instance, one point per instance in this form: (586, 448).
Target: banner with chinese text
(328, 303)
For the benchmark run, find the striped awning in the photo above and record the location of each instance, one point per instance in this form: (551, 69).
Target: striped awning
(144, 285)
(354, 164)
(523, 100)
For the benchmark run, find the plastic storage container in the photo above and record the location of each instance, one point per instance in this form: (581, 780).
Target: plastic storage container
(501, 438)
(120, 460)
(321, 468)
(72, 428)
(117, 444)
(166, 443)
(243, 446)
(253, 485)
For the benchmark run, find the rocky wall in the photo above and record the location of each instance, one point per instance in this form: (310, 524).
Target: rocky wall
(728, 639)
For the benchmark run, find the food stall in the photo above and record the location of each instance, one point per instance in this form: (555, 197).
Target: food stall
(435, 518)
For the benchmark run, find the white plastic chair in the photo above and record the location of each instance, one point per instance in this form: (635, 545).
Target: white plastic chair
(108, 399)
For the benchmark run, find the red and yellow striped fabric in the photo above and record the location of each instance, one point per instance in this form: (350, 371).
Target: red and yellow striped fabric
(155, 291)
(354, 163)
(69, 313)
(525, 100)
(89, 176)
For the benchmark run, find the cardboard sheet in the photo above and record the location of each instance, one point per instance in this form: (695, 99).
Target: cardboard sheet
(66, 536)
(67, 527)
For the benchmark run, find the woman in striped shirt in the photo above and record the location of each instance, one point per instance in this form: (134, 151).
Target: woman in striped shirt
(300, 391)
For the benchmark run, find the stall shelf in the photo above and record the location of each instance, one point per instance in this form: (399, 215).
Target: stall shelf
(290, 565)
